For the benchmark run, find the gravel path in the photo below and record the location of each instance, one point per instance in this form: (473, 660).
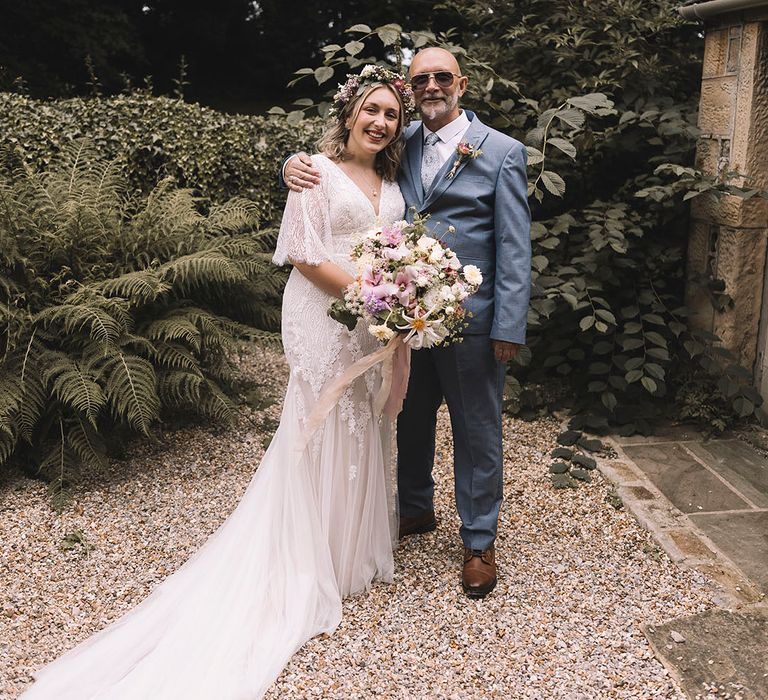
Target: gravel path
(576, 576)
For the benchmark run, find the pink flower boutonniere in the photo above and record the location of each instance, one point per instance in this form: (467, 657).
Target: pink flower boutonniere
(464, 151)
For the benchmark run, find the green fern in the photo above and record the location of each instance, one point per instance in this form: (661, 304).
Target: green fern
(114, 307)
(7, 442)
(130, 387)
(175, 327)
(139, 288)
(215, 404)
(87, 444)
(180, 388)
(71, 385)
(172, 356)
(34, 393)
(98, 323)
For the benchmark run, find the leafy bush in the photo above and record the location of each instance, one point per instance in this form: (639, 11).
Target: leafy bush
(219, 154)
(604, 94)
(117, 307)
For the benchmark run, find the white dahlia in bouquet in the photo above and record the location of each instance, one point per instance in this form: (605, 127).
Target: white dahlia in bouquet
(408, 282)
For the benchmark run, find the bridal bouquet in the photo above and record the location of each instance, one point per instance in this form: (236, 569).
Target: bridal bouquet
(408, 282)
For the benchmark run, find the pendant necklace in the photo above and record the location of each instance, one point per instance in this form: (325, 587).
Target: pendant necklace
(374, 191)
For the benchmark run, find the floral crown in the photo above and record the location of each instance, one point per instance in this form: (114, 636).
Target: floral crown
(371, 74)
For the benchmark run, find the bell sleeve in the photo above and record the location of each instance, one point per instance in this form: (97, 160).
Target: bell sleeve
(305, 233)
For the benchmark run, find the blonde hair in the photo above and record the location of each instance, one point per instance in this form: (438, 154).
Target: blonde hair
(333, 142)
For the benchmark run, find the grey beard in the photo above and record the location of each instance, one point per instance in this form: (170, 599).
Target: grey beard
(432, 111)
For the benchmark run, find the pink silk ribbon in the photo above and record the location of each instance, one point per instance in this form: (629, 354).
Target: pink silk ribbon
(396, 356)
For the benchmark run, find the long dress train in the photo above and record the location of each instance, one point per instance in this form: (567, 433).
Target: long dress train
(313, 526)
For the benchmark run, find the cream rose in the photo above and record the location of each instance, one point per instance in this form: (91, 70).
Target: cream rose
(473, 275)
(382, 332)
(425, 243)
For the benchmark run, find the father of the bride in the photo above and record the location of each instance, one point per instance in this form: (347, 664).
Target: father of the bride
(469, 176)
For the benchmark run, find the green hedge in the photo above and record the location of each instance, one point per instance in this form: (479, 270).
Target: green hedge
(221, 155)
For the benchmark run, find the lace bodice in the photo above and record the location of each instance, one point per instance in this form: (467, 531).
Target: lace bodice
(321, 225)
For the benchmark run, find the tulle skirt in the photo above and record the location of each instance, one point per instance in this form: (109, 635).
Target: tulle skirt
(314, 526)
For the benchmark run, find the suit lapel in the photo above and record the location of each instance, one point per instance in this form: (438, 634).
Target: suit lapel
(474, 135)
(413, 150)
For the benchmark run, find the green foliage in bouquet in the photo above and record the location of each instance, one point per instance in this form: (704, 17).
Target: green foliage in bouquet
(604, 95)
(117, 309)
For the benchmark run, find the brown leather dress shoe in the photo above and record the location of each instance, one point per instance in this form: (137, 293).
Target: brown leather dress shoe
(478, 577)
(417, 524)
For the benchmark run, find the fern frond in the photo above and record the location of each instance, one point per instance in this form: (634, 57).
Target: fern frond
(174, 327)
(174, 357)
(267, 339)
(57, 460)
(138, 288)
(201, 269)
(72, 386)
(8, 442)
(13, 218)
(60, 488)
(217, 337)
(34, 400)
(139, 344)
(233, 246)
(180, 388)
(220, 368)
(24, 368)
(91, 318)
(264, 316)
(7, 314)
(235, 328)
(215, 404)
(233, 216)
(11, 395)
(260, 261)
(87, 444)
(169, 224)
(131, 390)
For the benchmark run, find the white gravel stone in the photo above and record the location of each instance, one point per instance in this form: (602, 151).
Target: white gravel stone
(577, 577)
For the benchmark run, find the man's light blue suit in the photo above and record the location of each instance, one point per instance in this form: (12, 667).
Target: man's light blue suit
(486, 201)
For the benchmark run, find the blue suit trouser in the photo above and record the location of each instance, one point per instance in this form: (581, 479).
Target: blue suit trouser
(471, 381)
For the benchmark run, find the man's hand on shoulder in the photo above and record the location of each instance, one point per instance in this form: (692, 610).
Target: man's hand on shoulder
(299, 173)
(504, 351)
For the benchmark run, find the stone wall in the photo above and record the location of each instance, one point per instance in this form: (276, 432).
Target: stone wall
(729, 238)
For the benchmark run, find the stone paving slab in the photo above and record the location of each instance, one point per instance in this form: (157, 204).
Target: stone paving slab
(738, 464)
(744, 539)
(684, 541)
(717, 653)
(689, 485)
(663, 433)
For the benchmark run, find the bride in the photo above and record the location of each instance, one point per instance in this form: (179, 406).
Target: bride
(315, 524)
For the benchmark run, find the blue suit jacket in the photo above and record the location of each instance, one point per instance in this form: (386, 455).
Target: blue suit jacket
(487, 202)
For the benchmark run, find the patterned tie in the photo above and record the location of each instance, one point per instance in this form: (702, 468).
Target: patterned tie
(430, 161)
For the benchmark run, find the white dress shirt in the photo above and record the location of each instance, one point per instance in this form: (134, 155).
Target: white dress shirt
(450, 136)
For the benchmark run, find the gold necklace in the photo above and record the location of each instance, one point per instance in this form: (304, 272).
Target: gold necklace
(374, 191)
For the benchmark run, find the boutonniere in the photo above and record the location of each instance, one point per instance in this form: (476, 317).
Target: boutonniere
(464, 151)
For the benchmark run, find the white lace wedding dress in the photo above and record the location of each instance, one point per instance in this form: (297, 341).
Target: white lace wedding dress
(312, 527)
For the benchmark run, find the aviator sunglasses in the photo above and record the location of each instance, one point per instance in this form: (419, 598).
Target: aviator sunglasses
(443, 78)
